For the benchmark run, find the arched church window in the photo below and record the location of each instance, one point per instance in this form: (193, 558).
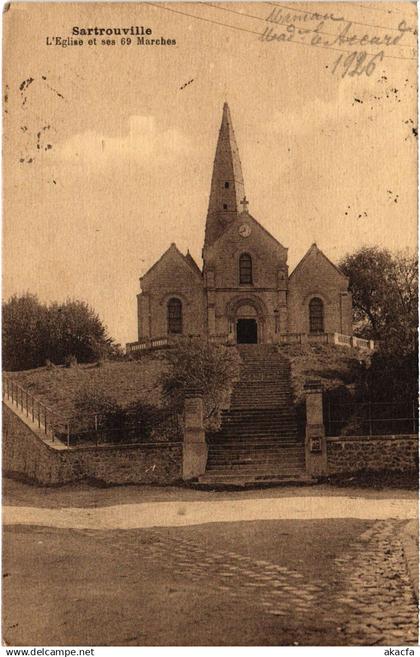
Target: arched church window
(245, 269)
(316, 315)
(226, 185)
(174, 316)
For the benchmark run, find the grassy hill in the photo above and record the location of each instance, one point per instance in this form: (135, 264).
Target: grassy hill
(131, 381)
(336, 367)
(125, 381)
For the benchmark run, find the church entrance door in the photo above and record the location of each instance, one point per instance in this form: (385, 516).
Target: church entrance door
(246, 331)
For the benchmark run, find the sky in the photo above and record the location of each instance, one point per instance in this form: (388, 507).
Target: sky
(108, 149)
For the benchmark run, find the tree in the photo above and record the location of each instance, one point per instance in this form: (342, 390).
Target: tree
(211, 368)
(385, 302)
(385, 298)
(75, 329)
(34, 332)
(23, 332)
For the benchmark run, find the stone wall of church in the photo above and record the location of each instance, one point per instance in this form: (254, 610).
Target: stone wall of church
(317, 277)
(226, 296)
(171, 279)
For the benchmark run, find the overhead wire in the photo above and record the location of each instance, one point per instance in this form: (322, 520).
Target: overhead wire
(243, 29)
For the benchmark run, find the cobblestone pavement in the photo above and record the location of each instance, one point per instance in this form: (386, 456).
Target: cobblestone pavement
(277, 582)
(369, 600)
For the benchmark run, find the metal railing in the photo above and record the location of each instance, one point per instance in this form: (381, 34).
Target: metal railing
(92, 429)
(47, 420)
(371, 418)
(122, 427)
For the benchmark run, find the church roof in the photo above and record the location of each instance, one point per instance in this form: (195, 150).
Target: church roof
(246, 216)
(315, 250)
(190, 260)
(227, 183)
(187, 259)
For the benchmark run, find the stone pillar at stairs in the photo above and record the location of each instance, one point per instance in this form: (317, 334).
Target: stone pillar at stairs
(194, 453)
(315, 441)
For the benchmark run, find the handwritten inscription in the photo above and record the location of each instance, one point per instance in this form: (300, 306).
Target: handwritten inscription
(342, 38)
(324, 33)
(357, 63)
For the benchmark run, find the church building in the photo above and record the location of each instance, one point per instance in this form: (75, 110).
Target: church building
(244, 292)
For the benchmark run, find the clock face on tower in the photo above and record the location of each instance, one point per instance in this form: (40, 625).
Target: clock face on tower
(244, 230)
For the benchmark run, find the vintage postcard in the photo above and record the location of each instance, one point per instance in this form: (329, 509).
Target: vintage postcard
(209, 325)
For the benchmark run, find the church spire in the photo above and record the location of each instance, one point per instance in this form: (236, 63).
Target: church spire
(227, 184)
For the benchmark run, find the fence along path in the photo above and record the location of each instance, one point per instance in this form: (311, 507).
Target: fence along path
(47, 420)
(87, 428)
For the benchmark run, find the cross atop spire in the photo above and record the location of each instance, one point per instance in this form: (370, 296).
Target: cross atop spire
(244, 204)
(227, 184)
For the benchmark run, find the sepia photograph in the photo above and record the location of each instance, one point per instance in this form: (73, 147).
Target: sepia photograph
(210, 326)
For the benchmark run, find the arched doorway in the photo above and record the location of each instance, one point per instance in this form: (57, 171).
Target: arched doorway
(246, 325)
(246, 319)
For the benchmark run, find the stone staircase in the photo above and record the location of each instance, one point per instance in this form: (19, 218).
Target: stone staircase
(258, 442)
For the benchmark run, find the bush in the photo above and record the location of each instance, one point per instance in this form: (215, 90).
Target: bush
(116, 423)
(70, 361)
(213, 369)
(90, 403)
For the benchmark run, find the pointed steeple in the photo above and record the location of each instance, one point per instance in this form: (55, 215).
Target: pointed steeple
(227, 184)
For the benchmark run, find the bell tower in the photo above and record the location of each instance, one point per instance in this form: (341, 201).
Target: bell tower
(227, 183)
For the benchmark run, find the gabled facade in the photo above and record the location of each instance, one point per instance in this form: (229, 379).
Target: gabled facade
(244, 293)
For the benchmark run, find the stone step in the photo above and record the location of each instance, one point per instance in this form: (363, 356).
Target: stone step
(279, 370)
(252, 448)
(266, 387)
(285, 441)
(258, 436)
(243, 447)
(270, 400)
(255, 432)
(255, 469)
(264, 423)
(214, 457)
(264, 451)
(277, 421)
(255, 412)
(268, 415)
(249, 438)
(279, 398)
(255, 463)
(243, 452)
(254, 401)
(259, 421)
(242, 480)
(270, 387)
